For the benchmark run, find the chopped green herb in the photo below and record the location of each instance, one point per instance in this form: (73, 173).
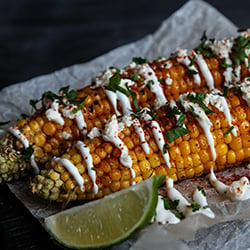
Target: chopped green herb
(192, 72)
(205, 207)
(79, 107)
(170, 205)
(195, 206)
(140, 60)
(200, 188)
(135, 76)
(238, 89)
(198, 98)
(225, 91)
(180, 216)
(228, 131)
(117, 70)
(192, 61)
(240, 45)
(161, 80)
(50, 95)
(181, 120)
(175, 111)
(4, 123)
(150, 83)
(93, 169)
(175, 133)
(165, 147)
(33, 103)
(134, 98)
(153, 115)
(201, 47)
(27, 153)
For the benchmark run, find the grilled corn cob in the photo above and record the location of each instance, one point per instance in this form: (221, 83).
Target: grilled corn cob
(182, 140)
(70, 115)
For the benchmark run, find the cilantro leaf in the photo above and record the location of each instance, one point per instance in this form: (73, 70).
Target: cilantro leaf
(180, 215)
(175, 133)
(225, 91)
(228, 131)
(181, 120)
(170, 205)
(135, 76)
(27, 153)
(192, 72)
(198, 98)
(33, 103)
(195, 206)
(200, 188)
(139, 60)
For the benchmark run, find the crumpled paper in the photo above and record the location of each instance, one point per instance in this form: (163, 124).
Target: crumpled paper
(231, 227)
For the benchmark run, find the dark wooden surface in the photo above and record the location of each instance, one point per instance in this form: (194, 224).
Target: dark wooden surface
(41, 36)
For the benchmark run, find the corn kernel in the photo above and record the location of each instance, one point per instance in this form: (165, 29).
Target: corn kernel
(39, 140)
(188, 161)
(115, 174)
(140, 155)
(185, 148)
(179, 163)
(65, 176)
(194, 145)
(190, 172)
(49, 128)
(244, 127)
(204, 155)
(124, 184)
(239, 155)
(154, 160)
(203, 141)
(231, 157)
(115, 186)
(69, 185)
(34, 125)
(101, 152)
(174, 152)
(199, 170)
(236, 143)
(221, 149)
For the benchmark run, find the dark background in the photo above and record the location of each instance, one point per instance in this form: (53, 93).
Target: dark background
(41, 36)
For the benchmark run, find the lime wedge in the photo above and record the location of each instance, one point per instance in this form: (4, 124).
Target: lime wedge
(107, 221)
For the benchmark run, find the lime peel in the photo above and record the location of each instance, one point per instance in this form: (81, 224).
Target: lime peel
(108, 221)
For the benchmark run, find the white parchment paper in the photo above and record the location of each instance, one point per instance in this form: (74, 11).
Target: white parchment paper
(231, 227)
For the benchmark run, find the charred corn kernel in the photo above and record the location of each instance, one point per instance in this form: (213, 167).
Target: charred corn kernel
(194, 145)
(188, 162)
(49, 128)
(179, 163)
(196, 159)
(234, 101)
(26, 129)
(221, 149)
(38, 152)
(247, 153)
(244, 127)
(39, 140)
(96, 159)
(215, 119)
(54, 143)
(115, 186)
(231, 157)
(106, 180)
(194, 131)
(221, 160)
(175, 152)
(34, 125)
(54, 176)
(105, 166)
(153, 145)
(245, 140)
(240, 112)
(137, 169)
(185, 148)
(236, 143)
(108, 147)
(125, 174)
(80, 167)
(101, 152)
(204, 155)
(115, 174)
(76, 158)
(190, 173)
(181, 175)
(154, 160)
(199, 170)
(65, 176)
(227, 138)
(219, 136)
(69, 184)
(47, 147)
(139, 152)
(124, 184)
(203, 141)
(239, 155)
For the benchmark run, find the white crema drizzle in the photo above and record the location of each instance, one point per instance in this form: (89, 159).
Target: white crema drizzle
(159, 137)
(182, 57)
(89, 163)
(218, 101)
(17, 133)
(72, 169)
(202, 118)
